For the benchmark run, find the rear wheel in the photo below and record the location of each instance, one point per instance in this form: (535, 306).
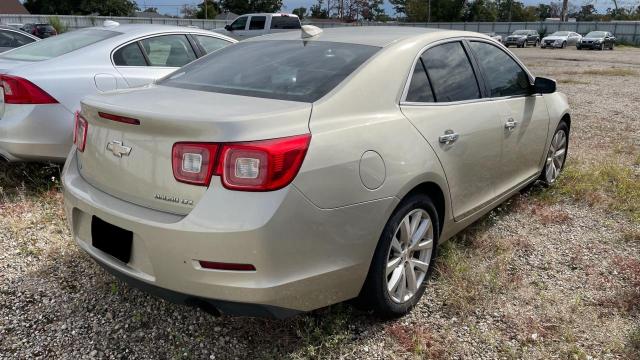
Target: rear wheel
(556, 155)
(403, 260)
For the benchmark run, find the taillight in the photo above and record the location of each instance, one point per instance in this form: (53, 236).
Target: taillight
(22, 91)
(80, 132)
(249, 166)
(193, 163)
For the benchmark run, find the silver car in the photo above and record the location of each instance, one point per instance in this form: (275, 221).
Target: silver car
(283, 174)
(560, 39)
(42, 83)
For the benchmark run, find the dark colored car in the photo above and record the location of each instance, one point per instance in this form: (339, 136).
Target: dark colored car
(12, 38)
(599, 40)
(40, 30)
(522, 38)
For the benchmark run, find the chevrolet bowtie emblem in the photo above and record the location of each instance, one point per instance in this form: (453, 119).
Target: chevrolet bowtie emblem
(118, 149)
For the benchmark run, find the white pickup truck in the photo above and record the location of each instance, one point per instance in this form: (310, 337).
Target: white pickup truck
(249, 25)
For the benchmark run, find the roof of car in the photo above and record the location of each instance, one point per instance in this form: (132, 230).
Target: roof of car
(143, 29)
(368, 35)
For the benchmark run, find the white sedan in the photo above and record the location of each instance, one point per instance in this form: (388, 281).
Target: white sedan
(41, 84)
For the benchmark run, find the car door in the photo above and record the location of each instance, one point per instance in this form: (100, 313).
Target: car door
(444, 101)
(143, 61)
(524, 115)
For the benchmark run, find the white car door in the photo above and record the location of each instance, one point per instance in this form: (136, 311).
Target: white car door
(524, 115)
(143, 61)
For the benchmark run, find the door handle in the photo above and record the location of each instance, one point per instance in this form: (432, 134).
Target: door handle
(449, 137)
(510, 124)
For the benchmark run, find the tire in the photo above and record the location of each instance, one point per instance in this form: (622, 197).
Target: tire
(612, 46)
(578, 48)
(555, 161)
(376, 294)
(564, 44)
(537, 43)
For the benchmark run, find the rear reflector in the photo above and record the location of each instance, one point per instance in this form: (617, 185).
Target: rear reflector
(80, 132)
(226, 266)
(22, 91)
(118, 118)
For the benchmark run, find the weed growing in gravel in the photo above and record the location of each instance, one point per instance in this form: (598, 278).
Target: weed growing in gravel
(613, 71)
(613, 186)
(572, 81)
(323, 332)
(634, 343)
(28, 179)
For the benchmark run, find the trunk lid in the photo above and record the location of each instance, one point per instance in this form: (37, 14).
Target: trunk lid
(168, 115)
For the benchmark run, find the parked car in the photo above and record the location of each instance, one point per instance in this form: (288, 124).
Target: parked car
(597, 40)
(523, 38)
(250, 25)
(286, 173)
(494, 36)
(560, 39)
(43, 82)
(40, 30)
(11, 38)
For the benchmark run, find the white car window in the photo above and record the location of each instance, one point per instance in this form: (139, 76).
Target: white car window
(257, 22)
(240, 23)
(168, 50)
(210, 43)
(506, 77)
(129, 55)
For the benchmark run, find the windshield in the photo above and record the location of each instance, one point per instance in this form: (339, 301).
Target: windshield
(58, 45)
(292, 70)
(521, 32)
(560, 33)
(596, 34)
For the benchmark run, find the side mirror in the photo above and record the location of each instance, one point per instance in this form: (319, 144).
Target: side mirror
(227, 27)
(544, 86)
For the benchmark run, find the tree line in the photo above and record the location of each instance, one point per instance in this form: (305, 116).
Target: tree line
(358, 10)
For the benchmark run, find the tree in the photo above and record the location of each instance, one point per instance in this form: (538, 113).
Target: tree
(151, 10)
(318, 12)
(82, 7)
(208, 9)
(480, 10)
(251, 6)
(301, 12)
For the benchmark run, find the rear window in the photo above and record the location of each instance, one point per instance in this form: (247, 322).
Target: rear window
(58, 45)
(285, 22)
(287, 70)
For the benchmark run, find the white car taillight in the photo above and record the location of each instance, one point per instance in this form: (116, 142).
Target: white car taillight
(250, 166)
(80, 132)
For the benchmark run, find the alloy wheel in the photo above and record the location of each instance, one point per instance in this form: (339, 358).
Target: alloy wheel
(409, 256)
(556, 156)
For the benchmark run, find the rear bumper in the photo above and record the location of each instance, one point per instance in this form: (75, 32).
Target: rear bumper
(305, 257)
(35, 132)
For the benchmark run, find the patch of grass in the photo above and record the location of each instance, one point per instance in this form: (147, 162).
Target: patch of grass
(631, 236)
(633, 343)
(322, 332)
(28, 179)
(612, 71)
(611, 186)
(572, 81)
(418, 341)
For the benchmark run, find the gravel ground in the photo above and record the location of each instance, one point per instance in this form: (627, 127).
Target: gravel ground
(536, 278)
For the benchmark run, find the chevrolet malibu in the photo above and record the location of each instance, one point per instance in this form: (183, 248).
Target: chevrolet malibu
(287, 173)
(41, 84)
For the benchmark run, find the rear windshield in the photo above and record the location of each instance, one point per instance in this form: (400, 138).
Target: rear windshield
(58, 45)
(292, 70)
(596, 34)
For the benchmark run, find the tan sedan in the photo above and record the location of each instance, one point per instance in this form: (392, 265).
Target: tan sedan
(287, 173)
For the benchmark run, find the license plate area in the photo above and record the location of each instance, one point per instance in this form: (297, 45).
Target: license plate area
(111, 239)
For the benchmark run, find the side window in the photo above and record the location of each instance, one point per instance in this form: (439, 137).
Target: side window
(285, 22)
(5, 39)
(504, 76)
(168, 50)
(129, 55)
(210, 43)
(240, 23)
(257, 22)
(419, 88)
(450, 72)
